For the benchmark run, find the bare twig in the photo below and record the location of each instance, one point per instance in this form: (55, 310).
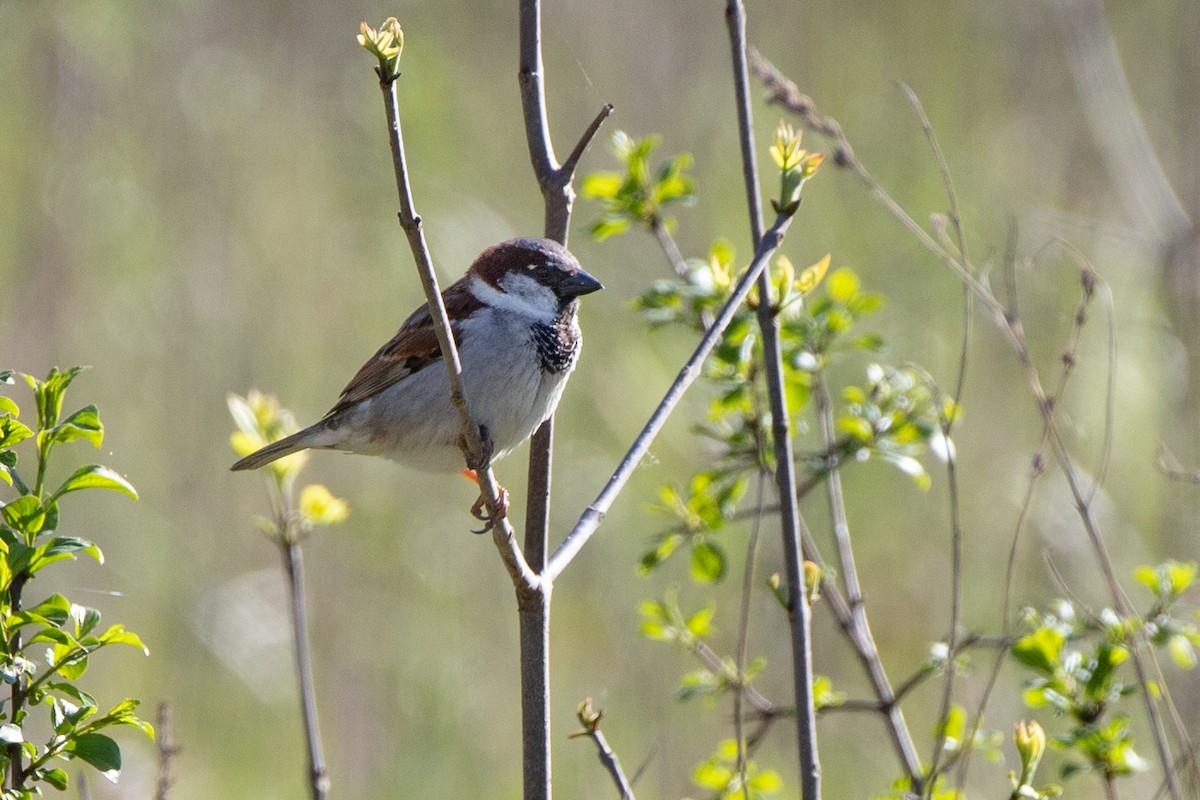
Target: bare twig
(743, 641)
(853, 615)
(589, 718)
(947, 424)
(533, 598)
(475, 450)
(289, 549)
(799, 612)
(667, 243)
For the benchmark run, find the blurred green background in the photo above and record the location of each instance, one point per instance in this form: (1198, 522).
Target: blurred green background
(196, 198)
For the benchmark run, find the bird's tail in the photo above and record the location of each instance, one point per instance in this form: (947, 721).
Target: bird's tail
(301, 440)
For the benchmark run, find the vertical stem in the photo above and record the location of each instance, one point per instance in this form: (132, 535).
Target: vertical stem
(799, 613)
(537, 510)
(533, 609)
(533, 603)
(855, 622)
(294, 568)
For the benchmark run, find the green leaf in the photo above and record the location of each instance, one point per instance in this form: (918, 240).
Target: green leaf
(1148, 577)
(86, 619)
(843, 285)
(1041, 650)
(669, 544)
(1181, 651)
(858, 428)
(13, 431)
(83, 424)
(49, 394)
(708, 563)
(601, 185)
(714, 776)
(118, 635)
(609, 226)
(699, 624)
(1180, 576)
(99, 751)
(767, 781)
(95, 476)
(59, 548)
(25, 514)
(11, 734)
(55, 608)
(55, 635)
(55, 777)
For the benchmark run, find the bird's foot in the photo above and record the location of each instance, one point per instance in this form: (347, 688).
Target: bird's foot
(490, 519)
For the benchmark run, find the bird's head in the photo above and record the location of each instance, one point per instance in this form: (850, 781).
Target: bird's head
(538, 278)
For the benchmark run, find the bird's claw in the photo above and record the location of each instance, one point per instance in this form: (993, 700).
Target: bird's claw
(490, 520)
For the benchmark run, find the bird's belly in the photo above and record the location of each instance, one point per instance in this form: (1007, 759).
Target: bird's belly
(414, 422)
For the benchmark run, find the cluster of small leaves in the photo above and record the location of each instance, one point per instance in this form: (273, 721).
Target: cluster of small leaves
(63, 633)
(796, 165)
(1077, 667)
(1165, 627)
(260, 420)
(638, 193)
(720, 775)
(385, 43)
(701, 511)
(894, 417)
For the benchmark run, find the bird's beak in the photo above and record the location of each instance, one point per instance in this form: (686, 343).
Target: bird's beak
(578, 284)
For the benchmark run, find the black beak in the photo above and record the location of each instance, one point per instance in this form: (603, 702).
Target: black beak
(578, 283)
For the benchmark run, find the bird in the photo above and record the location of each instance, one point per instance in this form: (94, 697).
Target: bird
(514, 318)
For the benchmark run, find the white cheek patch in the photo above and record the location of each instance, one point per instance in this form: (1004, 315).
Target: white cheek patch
(521, 295)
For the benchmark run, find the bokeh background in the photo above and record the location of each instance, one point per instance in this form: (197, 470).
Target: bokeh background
(196, 199)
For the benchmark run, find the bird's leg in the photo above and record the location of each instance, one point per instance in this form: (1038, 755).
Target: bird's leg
(479, 508)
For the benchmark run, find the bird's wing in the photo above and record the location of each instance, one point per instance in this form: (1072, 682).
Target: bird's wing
(413, 348)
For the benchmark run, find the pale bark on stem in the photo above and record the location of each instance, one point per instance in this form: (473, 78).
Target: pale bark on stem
(594, 514)
(799, 612)
(293, 563)
(853, 614)
(610, 761)
(475, 449)
(533, 597)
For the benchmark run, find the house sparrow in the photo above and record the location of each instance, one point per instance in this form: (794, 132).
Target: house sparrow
(513, 317)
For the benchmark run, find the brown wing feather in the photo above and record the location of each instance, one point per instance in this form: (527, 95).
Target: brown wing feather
(413, 348)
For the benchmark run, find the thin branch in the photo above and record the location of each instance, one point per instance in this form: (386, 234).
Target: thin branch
(475, 450)
(947, 425)
(533, 596)
(590, 717)
(293, 563)
(667, 243)
(743, 641)
(799, 611)
(593, 515)
(853, 619)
